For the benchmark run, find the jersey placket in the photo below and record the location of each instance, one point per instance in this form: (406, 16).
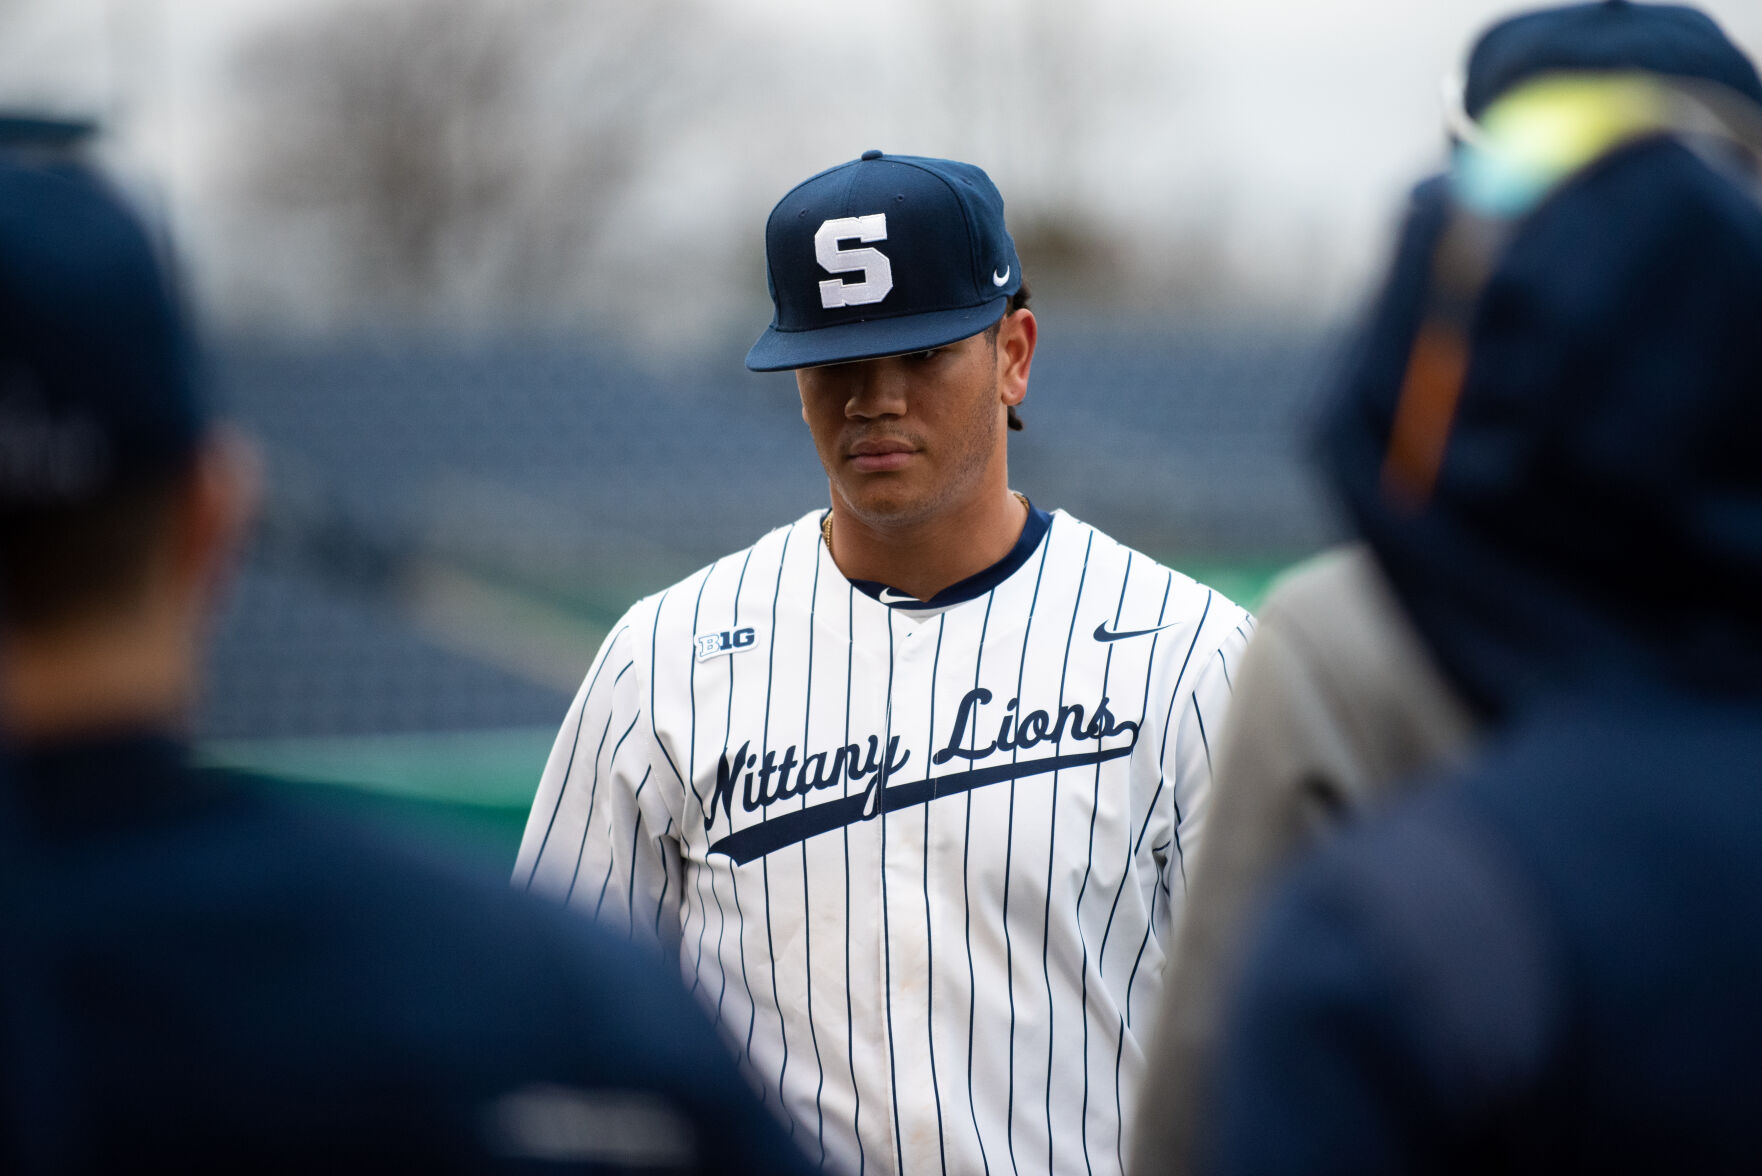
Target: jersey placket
(907, 943)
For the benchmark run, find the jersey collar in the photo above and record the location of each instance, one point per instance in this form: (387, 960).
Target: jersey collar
(976, 585)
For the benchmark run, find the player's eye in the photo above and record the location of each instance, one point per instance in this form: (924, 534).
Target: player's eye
(925, 356)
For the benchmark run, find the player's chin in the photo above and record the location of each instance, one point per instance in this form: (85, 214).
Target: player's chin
(886, 499)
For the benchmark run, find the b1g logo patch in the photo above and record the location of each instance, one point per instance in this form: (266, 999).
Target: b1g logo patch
(711, 645)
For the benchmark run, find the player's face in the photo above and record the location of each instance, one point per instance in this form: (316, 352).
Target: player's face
(910, 437)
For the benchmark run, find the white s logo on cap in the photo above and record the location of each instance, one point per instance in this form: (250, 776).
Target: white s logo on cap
(877, 271)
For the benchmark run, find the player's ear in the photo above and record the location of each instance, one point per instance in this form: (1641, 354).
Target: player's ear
(1017, 334)
(217, 509)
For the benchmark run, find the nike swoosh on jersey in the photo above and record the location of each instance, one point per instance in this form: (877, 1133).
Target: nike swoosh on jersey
(1103, 633)
(895, 596)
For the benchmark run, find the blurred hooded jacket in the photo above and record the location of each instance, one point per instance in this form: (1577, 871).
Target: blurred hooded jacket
(1548, 961)
(1339, 705)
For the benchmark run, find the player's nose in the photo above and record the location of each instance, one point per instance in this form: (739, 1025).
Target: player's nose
(880, 391)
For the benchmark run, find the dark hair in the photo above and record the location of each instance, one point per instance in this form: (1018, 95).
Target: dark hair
(63, 564)
(1017, 301)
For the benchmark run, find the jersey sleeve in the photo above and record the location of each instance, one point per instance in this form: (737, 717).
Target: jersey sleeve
(1198, 724)
(601, 836)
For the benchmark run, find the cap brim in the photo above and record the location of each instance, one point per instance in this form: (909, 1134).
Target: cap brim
(778, 351)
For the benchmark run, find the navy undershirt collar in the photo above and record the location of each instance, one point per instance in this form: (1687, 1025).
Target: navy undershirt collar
(973, 586)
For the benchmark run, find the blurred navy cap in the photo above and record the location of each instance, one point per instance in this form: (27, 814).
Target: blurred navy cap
(1668, 39)
(97, 384)
(884, 255)
(26, 132)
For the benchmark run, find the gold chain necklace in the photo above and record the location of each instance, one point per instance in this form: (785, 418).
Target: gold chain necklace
(826, 523)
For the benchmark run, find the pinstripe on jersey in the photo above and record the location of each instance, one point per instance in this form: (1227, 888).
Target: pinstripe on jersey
(922, 864)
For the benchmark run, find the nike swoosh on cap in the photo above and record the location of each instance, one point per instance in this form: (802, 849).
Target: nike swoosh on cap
(1102, 633)
(998, 279)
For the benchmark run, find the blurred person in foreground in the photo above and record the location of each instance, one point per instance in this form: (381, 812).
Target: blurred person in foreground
(1339, 706)
(1547, 959)
(193, 975)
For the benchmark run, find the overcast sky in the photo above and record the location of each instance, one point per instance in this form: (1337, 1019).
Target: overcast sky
(1277, 134)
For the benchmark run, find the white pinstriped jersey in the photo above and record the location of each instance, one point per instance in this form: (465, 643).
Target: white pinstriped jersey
(923, 864)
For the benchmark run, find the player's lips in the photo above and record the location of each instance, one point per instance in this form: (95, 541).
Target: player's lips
(880, 455)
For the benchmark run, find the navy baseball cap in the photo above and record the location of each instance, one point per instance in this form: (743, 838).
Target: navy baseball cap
(884, 255)
(1669, 39)
(97, 385)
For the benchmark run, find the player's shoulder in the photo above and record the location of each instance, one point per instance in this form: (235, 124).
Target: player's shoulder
(1181, 600)
(412, 910)
(713, 591)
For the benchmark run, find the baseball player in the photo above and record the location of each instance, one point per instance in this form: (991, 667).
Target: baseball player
(910, 783)
(196, 974)
(1545, 959)
(1343, 707)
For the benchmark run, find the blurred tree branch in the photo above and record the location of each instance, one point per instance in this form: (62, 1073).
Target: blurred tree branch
(463, 156)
